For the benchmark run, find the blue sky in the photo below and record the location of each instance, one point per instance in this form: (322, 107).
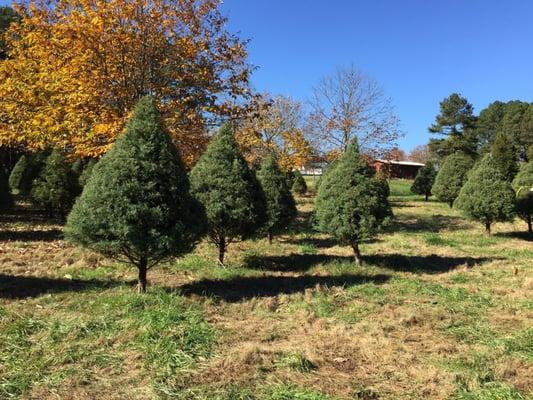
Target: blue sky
(419, 51)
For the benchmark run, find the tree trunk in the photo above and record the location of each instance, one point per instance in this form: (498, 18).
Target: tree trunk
(143, 268)
(357, 254)
(487, 228)
(529, 225)
(221, 250)
(427, 196)
(270, 237)
(451, 204)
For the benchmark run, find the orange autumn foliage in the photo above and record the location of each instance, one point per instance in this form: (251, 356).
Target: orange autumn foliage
(77, 68)
(274, 126)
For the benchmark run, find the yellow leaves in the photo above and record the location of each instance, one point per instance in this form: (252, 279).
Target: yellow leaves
(79, 66)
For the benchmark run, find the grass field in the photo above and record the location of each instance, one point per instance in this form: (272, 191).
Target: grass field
(438, 311)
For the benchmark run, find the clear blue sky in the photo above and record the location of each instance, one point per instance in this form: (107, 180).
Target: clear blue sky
(420, 51)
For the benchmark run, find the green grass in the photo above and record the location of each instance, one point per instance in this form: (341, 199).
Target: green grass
(439, 310)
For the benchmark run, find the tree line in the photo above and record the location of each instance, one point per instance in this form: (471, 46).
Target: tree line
(484, 164)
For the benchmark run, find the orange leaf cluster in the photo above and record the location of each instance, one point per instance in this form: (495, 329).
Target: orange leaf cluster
(77, 67)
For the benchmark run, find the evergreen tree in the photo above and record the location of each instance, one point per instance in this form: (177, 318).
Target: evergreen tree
(504, 155)
(424, 180)
(298, 183)
(56, 188)
(281, 208)
(26, 170)
(352, 204)
(523, 185)
(451, 177)
(487, 196)
(6, 201)
(230, 193)
(86, 173)
(136, 206)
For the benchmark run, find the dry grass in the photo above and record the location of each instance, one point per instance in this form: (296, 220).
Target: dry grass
(439, 311)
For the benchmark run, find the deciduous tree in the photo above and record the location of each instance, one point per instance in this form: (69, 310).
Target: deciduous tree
(230, 193)
(348, 105)
(77, 68)
(136, 206)
(351, 204)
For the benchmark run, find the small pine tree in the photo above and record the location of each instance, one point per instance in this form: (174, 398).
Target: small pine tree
(136, 206)
(351, 203)
(56, 188)
(424, 180)
(451, 177)
(523, 185)
(230, 193)
(281, 208)
(26, 170)
(77, 167)
(504, 156)
(487, 196)
(6, 200)
(299, 186)
(86, 173)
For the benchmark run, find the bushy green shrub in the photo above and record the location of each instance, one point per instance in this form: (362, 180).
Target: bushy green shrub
(424, 180)
(523, 185)
(230, 193)
(298, 183)
(281, 208)
(136, 206)
(86, 172)
(487, 196)
(57, 187)
(451, 177)
(351, 203)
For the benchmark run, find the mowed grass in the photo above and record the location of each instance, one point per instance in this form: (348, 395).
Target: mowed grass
(438, 311)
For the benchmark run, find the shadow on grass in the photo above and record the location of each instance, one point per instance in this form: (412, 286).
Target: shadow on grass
(243, 288)
(516, 235)
(31, 235)
(432, 264)
(429, 223)
(20, 287)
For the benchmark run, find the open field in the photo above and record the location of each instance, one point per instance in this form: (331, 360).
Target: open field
(439, 311)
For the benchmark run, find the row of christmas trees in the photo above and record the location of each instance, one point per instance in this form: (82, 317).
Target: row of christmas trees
(489, 191)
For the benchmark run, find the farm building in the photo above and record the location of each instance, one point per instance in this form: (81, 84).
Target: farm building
(397, 169)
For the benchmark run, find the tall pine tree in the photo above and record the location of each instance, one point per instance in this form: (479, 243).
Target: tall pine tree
(523, 185)
(230, 193)
(351, 203)
(487, 196)
(281, 208)
(136, 206)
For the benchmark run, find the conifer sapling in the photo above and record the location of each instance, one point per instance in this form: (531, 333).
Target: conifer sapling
(281, 208)
(298, 183)
(424, 180)
(136, 206)
(451, 177)
(230, 193)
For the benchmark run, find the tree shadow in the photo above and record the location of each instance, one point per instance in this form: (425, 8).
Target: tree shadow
(430, 223)
(522, 235)
(432, 264)
(321, 243)
(243, 288)
(31, 235)
(289, 263)
(20, 287)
